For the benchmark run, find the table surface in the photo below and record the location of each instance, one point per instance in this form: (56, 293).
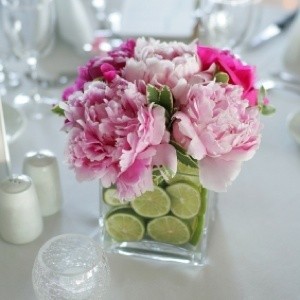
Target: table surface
(253, 252)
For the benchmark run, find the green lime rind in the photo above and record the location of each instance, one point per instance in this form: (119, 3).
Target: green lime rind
(185, 173)
(185, 200)
(169, 229)
(204, 195)
(193, 222)
(197, 232)
(125, 226)
(119, 209)
(152, 204)
(199, 221)
(179, 177)
(110, 197)
(187, 169)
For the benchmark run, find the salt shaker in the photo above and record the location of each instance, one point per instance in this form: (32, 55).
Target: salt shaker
(20, 216)
(42, 167)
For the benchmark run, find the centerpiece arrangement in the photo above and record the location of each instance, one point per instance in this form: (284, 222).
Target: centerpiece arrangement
(162, 125)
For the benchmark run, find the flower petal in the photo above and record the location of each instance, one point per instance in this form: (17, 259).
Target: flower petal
(217, 174)
(165, 156)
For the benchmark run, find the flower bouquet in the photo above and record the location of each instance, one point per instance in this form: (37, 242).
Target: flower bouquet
(162, 126)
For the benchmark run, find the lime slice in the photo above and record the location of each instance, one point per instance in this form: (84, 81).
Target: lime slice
(152, 204)
(197, 232)
(110, 197)
(125, 226)
(204, 196)
(185, 169)
(193, 222)
(119, 209)
(169, 229)
(186, 174)
(185, 200)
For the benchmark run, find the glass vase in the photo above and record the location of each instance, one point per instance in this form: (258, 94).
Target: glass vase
(170, 223)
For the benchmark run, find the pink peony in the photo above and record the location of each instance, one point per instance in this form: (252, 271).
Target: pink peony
(220, 130)
(172, 64)
(116, 137)
(239, 73)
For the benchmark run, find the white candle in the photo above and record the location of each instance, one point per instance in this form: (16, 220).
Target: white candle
(20, 216)
(42, 167)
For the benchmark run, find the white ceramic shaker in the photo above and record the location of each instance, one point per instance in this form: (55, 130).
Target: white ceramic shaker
(20, 216)
(42, 167)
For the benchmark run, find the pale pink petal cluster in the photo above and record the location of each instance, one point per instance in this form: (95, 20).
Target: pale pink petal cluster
(116, 137)
(219, 129)
(160, 63)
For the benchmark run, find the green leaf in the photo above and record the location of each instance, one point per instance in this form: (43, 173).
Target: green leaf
(152, 94)
(58, 110)
(222, 77)
(166, 99)
(261, 95)
(183, 157)
(186, 159)
(157, 177)
(177, 146)
(267, 110)
(161, 174)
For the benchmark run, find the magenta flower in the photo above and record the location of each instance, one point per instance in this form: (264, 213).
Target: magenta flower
(104, 68)
(239, 73)
(220, 130)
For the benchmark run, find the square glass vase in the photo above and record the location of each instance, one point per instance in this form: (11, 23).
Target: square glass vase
(170, 223)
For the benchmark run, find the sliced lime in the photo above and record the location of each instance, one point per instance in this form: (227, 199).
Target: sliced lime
(193, 222)
(186, 174)
(185, 169)
(198, 230)
(110, 197)
(204, 196)
(125, 226)
(169, 229)
(119, 209)
(185, 200)
(152, 204)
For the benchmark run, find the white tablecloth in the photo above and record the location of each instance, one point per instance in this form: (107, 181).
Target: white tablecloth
(254, 249)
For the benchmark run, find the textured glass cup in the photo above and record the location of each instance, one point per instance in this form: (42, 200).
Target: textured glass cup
(177, 232)
(70, 266)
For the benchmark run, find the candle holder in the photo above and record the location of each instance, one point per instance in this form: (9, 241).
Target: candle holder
(70, 266)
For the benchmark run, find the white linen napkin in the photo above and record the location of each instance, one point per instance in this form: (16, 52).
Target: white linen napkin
(75, 21)
(156, 18)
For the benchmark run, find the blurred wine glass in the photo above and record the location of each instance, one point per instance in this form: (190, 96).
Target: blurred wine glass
(229, 24)
(108, 18)
(8, 79)
(30, 27)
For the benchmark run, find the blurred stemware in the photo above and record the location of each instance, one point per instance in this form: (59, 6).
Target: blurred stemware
(108, 17)
(8, 79)
(228, 24)
(30, 27)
